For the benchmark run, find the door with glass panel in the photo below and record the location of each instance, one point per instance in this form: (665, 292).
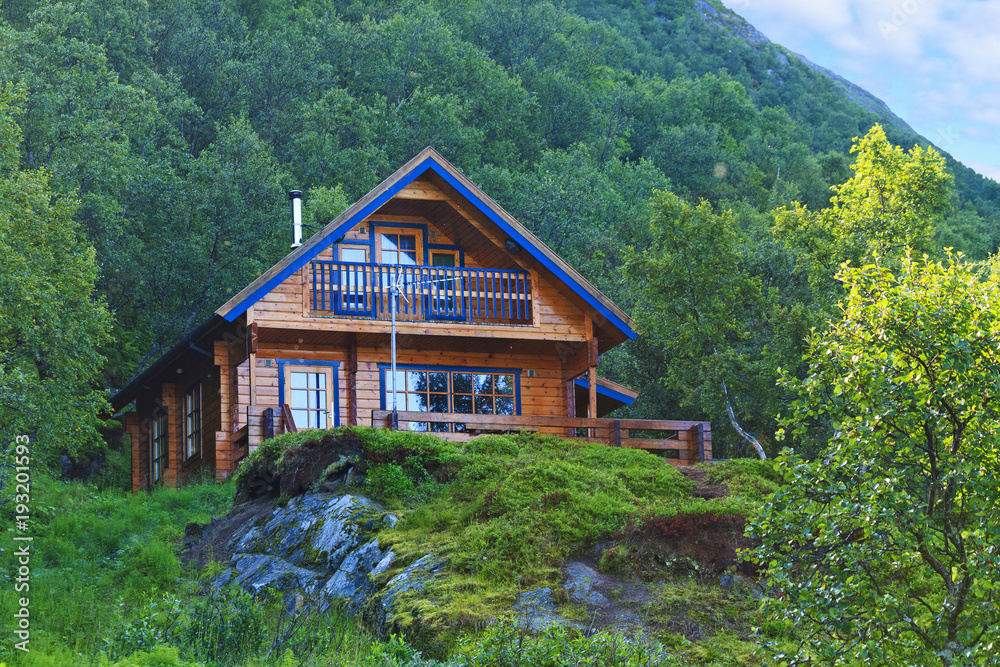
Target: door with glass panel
(399, 251)
(310, 392)
(446, 291)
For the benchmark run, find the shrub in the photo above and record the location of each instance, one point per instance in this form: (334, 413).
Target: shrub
(389, 481)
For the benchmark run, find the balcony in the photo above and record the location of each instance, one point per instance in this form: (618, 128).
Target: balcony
(428, 293)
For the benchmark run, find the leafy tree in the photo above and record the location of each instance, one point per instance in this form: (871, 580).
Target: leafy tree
(892, 201)
(885, 551)
(703, 309)
(52, 324)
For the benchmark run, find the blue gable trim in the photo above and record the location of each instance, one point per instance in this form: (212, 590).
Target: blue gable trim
(533, 251)
(374, 205)
(306, 257)
(610, 393)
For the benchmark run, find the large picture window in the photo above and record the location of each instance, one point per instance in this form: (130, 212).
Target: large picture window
(461, 391)
(158, 447)
(192, 422)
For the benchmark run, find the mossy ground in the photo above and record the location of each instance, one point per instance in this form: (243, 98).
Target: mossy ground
(505, 511)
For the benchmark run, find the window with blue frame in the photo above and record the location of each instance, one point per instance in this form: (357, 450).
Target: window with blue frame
(456, 391)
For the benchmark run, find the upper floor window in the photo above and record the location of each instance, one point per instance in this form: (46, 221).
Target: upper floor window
(400, 246)
(192, 422)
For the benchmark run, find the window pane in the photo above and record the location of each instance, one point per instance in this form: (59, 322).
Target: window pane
(301, 418)
(442, 259)
(298, 380)
(439, 428)
(484, 405)
(418, 426)
(390, 241)
(321, 380)
(390, 257)
(321, 419)
(298, 399)
(358, 255)
(462, 382)
(463, 404)
(407, 242)
(408, 258)
(416, 402)
(484, 384)
(439, 382)
(416, 381)
(504, 384)
(505, 406)
(439, 403)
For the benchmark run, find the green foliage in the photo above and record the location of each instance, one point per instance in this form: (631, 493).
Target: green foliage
(389, 481)
(885, 550)
(99, 555)
(707, 315)
(893, 200)
(52, 324)
(507, 645)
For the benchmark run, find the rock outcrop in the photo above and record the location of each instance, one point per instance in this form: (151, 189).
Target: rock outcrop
(323, 546)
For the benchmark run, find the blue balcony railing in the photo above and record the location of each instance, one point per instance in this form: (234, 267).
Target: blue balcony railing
(478, 296)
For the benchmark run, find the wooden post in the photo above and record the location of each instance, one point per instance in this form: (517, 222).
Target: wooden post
(223, 444)
(569, 388)
(140, 451)
(175, 448)
(698, 441)
(252, 350)
(618, 434)
(352, 384)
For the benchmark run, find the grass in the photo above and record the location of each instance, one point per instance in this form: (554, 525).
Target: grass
(505, 511)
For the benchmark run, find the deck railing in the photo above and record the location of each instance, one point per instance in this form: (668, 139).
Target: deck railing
(499, 296)
(681, 442)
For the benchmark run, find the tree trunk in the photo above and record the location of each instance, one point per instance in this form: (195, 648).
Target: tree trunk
(739, 429)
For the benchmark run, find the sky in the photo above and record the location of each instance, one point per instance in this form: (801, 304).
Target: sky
(936, 63)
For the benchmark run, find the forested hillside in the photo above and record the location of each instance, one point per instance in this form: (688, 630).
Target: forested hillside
(178, 126)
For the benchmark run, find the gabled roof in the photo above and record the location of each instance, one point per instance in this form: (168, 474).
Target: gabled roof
(429, 160)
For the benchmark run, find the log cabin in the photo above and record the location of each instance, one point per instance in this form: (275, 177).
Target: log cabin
(487, 330)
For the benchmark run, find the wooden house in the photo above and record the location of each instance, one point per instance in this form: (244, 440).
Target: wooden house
(494, 332)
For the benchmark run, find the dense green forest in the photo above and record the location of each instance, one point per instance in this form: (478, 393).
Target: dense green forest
(169, 132)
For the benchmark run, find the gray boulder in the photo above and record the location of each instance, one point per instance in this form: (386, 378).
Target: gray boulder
(414, 578)
(321, 545)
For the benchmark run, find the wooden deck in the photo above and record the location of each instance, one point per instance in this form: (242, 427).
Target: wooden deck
(679, 442)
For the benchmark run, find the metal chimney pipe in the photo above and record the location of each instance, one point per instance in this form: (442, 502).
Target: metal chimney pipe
(295, 196)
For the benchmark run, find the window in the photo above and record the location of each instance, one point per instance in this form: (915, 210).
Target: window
(158, 447)
(400, 246)
(455, 391)
(192, 422)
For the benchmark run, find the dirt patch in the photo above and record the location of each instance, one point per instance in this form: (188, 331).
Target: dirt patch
(301, 467)
(704, 490)
(296, 470)
(205, 543)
